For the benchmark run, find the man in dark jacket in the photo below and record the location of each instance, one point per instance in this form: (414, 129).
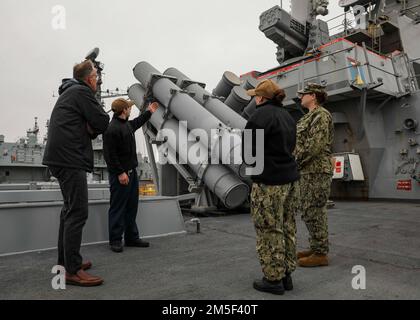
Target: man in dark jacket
(121, 157)
(275, 192)
(77, 118)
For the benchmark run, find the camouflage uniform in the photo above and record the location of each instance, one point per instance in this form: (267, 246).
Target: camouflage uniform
(315, 135)
(273, 211)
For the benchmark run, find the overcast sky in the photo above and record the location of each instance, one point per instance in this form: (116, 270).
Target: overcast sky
(201, 38)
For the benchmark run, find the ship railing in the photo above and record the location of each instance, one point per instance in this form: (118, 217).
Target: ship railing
(344, 25)
(406, 10)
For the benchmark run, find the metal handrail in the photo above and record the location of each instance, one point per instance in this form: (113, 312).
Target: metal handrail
(410, 8)
(367, 62)
(344, 24)
(341, 15)
(327, 73)
(384, 71)
(319, 58)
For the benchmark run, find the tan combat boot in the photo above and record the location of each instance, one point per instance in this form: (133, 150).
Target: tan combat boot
(315, 260)
(304, 254)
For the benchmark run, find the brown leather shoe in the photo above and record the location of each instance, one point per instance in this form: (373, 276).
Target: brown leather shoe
(83, 279)
(315, 260)
(304, 254)
(86, 265)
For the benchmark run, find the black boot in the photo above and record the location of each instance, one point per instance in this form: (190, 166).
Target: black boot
(274, 287)
(288, 282)
(137, 243)
(117, 246)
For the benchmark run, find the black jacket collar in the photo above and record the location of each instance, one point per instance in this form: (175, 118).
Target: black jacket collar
(269, 102)
(82, 83)
(119, 119)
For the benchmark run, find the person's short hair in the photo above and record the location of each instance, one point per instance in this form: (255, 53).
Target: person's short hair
(280, 96)
(321, 97)
(82, 70)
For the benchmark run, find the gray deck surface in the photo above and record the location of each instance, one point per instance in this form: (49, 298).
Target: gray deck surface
(221, 262)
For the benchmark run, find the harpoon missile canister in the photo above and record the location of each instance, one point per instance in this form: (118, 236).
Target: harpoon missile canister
(219, 179)
(178, 102)
(214, 105)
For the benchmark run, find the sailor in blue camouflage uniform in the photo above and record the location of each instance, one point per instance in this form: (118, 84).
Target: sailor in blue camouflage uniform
(315, 135)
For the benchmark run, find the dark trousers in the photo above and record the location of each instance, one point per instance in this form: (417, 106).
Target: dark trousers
(123, 209)
(73, 184)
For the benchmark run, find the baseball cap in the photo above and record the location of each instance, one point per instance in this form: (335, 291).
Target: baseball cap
(266, 88)
(312, 88)
(121, 104)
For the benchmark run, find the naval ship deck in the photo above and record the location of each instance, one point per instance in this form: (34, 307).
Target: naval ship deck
(221, 262)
